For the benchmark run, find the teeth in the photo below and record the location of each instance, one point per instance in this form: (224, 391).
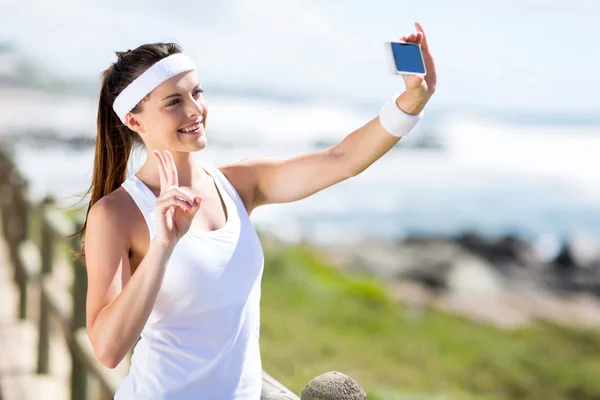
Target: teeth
(191, 128)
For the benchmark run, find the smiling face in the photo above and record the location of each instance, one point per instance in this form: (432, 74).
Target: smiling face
(172, 116)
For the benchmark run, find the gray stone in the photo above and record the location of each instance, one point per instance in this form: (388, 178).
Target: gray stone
(333, 385)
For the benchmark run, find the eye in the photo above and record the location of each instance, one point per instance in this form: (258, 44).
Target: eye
(195, 93)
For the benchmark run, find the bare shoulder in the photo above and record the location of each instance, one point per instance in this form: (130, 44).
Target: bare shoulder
(108, 240)
(113, 212)
(243, 176)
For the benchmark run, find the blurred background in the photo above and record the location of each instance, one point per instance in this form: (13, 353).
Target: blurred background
(482, 226)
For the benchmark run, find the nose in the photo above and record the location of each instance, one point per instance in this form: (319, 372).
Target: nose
(194, 109)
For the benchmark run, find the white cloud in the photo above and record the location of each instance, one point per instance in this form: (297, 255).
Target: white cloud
(300, 19)
(484, 50)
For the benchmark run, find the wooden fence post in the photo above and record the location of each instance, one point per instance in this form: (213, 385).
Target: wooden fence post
(17, 231)
(79, 373)
(5, 191)
(47, 247)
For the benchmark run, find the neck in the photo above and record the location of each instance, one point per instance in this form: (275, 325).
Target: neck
(187, 170)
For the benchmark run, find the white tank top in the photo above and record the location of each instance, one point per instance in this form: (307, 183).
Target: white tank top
(201, 340)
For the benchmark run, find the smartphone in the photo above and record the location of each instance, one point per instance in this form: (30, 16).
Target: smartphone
(404, 58)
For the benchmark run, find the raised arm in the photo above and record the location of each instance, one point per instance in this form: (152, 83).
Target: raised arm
(281, 181)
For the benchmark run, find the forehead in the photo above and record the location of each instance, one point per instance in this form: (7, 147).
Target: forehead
(179, 83)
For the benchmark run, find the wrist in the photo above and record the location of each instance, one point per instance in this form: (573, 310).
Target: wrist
(413, 101)
(162, 245)
(395, 119)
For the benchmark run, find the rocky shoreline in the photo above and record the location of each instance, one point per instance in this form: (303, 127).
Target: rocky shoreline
(506, 282)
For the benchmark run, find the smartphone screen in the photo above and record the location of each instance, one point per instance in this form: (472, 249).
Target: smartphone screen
(407, 57)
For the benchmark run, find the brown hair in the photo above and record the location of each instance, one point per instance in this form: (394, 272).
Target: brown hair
(114, 140)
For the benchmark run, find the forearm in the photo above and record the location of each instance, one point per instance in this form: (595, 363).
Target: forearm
(282, 181)
(118, 326)
(364, 146)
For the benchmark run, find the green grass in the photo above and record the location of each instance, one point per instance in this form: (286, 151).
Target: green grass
(317, 319)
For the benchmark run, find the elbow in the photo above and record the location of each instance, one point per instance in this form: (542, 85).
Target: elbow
(108, 361)
(105, 353)
(107, 357)
(347, 167)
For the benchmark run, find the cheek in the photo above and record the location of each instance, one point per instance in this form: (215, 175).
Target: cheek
(163, 122)
(170, 120)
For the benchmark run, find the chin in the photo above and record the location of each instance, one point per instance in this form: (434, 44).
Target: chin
(200, 143)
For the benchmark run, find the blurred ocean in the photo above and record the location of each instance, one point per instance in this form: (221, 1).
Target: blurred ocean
(508, 145)
(484, 173)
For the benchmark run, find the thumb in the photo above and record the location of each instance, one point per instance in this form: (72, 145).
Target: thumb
(196, 207)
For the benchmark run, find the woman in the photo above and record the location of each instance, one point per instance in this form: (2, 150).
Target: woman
(170, 251)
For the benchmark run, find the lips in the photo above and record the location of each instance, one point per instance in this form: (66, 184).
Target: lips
(191, 128)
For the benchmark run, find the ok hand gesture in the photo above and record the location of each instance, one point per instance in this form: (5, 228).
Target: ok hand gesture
(175, 207)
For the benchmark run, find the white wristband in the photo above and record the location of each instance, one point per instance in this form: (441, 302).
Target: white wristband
(395, 121)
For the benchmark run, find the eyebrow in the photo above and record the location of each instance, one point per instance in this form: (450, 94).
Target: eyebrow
(177, 94)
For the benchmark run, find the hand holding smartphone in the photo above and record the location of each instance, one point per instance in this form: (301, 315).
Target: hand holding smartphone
(404, 58)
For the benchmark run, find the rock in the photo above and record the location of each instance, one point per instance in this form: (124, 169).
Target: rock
(485, 309)
(547, 247)
(333, 385)
(508, 251)
(474, 275)
(427, 261)
(506, 282)
(579, 250)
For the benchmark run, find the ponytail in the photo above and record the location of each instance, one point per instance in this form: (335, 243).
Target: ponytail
(113, 145)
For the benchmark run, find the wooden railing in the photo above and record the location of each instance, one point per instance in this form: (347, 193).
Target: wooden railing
(37, 236)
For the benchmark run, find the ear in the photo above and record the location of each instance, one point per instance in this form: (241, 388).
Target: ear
(134, 123)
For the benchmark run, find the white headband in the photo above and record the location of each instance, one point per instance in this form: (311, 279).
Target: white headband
(148, 81)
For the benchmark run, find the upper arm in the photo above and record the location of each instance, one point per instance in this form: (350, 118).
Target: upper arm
(270, 180)
(292, 179)
(106, 256)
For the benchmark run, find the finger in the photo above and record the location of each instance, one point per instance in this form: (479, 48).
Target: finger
(167, 165)
(167, 200)
(172, 201)
(190, 195)
(424, 45)
(194, 210)
(176, 191)
(413, 38)
(429, 64)
(172, 169)
(162, 174)
(413, 81)
(419, 38)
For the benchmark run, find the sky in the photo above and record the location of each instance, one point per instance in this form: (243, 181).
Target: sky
(503, 54)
